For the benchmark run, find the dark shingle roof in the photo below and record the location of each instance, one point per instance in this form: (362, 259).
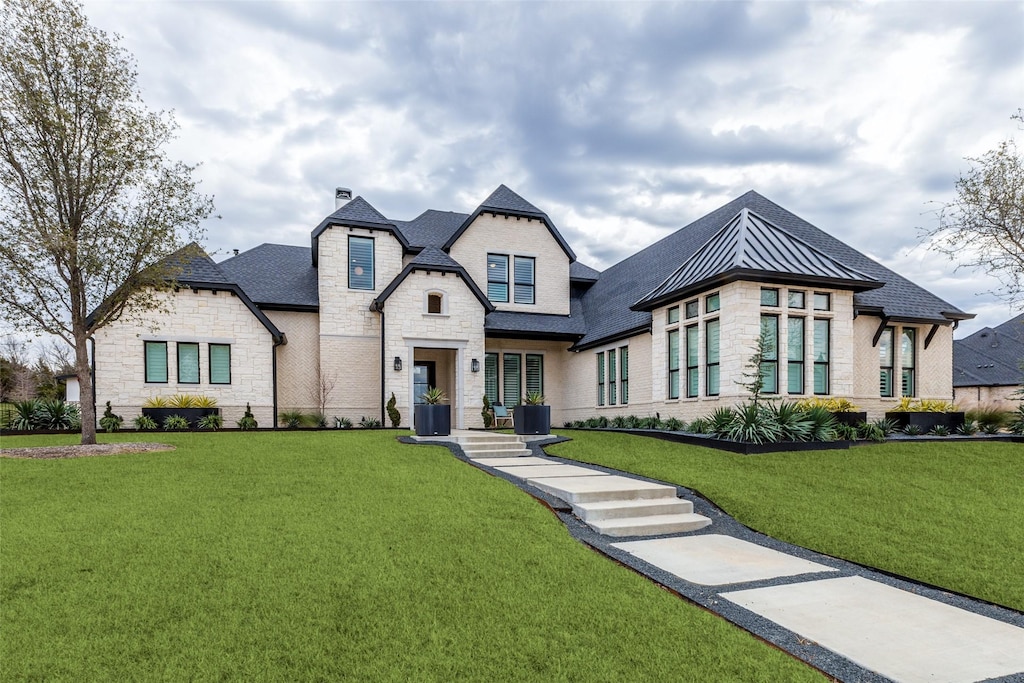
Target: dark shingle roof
(750, 247)
(431, 228)
(606, 304)
(196, 266)
(538, 325)
(582, 273)
(275, 275)
(505, 199)
(358, 211)
(1014, 327)
(990, 356)
(433, 256)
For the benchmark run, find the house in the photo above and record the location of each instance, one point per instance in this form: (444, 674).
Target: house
(494, 302)
(987, 366)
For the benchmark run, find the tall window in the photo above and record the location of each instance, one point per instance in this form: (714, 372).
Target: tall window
(692, 361)
(885, 362)
(491, 377)
(435, 303)
(624, 374)
(770, 356)
(220, 363)
(497, 277)
(711, 332)
(600, 379)
(673, 364)
(795, 356)
(510, 371)
(360, 262)
(907, 353)
(534, 373)
(188, 363)
(612, 375)
(821, 355)
(156, 362)
(524, 268)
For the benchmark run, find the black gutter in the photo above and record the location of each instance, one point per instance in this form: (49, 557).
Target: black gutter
(614, 338)
(273, 370)
(382, 360)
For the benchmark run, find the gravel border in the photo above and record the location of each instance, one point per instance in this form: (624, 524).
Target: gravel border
(80, 451)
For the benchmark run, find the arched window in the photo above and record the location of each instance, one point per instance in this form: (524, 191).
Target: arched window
(435, 303)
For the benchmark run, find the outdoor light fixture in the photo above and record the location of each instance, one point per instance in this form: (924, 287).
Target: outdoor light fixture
(398, 363)
(474, 365)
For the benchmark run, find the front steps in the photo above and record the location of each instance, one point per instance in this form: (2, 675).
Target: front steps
(490, 445)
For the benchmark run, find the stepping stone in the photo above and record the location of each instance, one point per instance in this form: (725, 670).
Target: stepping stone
(551, 470)
(517, 461)
(898, 634)
(716, 560)
(599, 487)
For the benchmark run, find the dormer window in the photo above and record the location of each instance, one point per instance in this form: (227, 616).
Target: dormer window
(436, 303)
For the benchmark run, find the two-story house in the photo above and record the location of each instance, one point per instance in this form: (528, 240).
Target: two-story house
(494, 302)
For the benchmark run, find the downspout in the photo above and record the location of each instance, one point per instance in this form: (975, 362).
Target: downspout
(273, 363)
(383, 400)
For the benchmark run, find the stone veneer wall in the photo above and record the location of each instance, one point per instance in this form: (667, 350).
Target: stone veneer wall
(580, 392)
(558, 377)
(297, 360)
(202, 317)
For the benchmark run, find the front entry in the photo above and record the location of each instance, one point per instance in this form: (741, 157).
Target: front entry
(424, 376)
(436, 367)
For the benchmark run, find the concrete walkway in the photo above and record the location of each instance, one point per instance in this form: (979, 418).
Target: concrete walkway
(850, 622)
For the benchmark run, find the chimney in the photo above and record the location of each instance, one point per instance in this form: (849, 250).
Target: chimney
(236, 251)
(342, 195)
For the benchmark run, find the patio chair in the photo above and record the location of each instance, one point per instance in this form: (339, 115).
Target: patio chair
(502, 415)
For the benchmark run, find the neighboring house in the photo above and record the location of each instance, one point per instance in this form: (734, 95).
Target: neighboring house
(987, 366)
(495, 302)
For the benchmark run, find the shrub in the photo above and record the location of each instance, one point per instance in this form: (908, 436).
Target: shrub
(316, 420)
(720, 421)
(846, 432)
(342, 423)
(156, 402)
(752, 423)
(823, 424)
(939, 430)
(486, 413)
(872, 431)
(24, 417)
(204, 402)
(175, 423)
(1016, 425)
(832, 405)
(144, 422)
(791, 420)
(248, 421)
(292, 418)
(393, 415)
(211, 422)
(182, 401)
(968, 428)
(619, 422)
(110, 422)
(54, 413)
(370, 423)
(885, 425)
(990, 428)
(699, 426)
(913, 430)
(674, 424)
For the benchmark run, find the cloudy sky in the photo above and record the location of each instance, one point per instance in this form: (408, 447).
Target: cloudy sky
(623, 121)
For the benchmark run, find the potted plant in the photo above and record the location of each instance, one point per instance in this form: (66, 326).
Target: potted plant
(192, 408)
(842, 409)
(532, 416)
(925, 415)
(433, 417)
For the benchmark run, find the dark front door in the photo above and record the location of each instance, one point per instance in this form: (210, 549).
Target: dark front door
(424, 376)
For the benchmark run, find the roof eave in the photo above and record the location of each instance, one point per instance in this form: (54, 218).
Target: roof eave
(330, 223)
(378, 302)
(543, 217)
(619, 336)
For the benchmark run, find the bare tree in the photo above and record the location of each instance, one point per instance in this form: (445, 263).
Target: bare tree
(16, 378)
(324, 383)
(90, 205)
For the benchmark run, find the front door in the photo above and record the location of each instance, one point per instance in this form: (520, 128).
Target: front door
(424, 376)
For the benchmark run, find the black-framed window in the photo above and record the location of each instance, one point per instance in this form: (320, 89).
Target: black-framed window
(360, 262)
(822, 301)
(692, 361)
(525, 267)
(886, 358)
(908, 351)
(673, 364)
(534, 373)
(220, 363)
(770, 352)
(692, 309)
(712, 334)
(673, 315)
(612, 377)
(435, 302)
(491, 377)
(769, 296)
(188, 363)
(795, 355)
(822, 341)
(624, 375)
(796, 299)
(600, 378)
(497, 278)
(511, 364)
(156, 362)
(712, 303)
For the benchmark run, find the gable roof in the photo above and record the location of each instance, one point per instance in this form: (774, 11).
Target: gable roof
(358, 213)
(276, 276)
(431, 228)
(431, 259)
(990, 356)
(581, 273)
(607, 303)
(749, 247)
(505, 202)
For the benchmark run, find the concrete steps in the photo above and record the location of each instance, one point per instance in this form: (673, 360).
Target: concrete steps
(653, 525)
(491, 445)
(618, 509)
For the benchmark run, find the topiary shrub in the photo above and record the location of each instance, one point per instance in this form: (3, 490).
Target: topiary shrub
(248, 421)
(393, 415)
(110, 422)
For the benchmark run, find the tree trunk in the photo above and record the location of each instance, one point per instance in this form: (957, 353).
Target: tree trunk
(84, 371)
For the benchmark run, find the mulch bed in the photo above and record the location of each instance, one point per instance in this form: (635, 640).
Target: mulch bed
(80, 451)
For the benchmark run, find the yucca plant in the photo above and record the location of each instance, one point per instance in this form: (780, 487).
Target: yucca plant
(24, 417)
(619, 422)
(203, 402)
(433, 396)
(699, 426)
(791, 420)
(370, 423)
(57, 414)
(752, 423)
(823, 424)
(182, 401)
(1016, 425)
(342, 423)
(534, 398)
(156, 402)
(885, 425)
(721, 420)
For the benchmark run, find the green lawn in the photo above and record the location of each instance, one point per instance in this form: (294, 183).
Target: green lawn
(327, 556)
(950, 514)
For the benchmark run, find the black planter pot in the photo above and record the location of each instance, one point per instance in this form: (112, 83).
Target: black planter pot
(852, 419)
(927, 421)
(532, 419)
(433, 420)
(193, 415)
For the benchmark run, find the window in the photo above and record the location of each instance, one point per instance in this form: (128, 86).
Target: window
(711, 332)
(822, 301)
(611, 377)
(188, 363)
(524, 267)
(821, 355)
(534, 373)
(673, 364)
(692, 309)
(907, 344)
(491, 377)
(769, 296)
(885, 362)
(624, 374)
(796, 299)
(673, 315)
(497, 277)
(510, 371)
(360, 262)
(795, 356)
(435, 303)
(220, 363)
(600, 379)
(156, 362)
(692, 361)
(712, 303)
(770, 356)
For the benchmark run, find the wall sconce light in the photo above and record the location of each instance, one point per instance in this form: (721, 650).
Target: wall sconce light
(398, 363)
(474, 365)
